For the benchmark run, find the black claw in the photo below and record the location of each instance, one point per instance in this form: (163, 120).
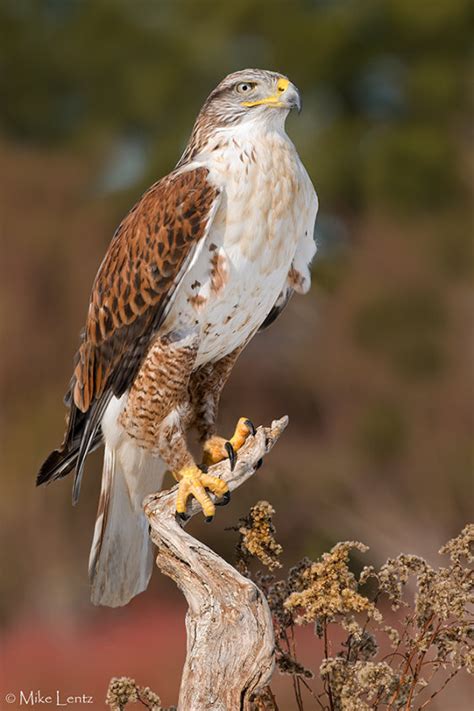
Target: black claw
(251, 427)
(209, 519)
(183, 515)
(224, 500)
(231, 454)
(259, 464)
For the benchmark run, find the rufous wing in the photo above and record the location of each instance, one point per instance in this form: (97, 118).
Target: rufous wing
(147, 258)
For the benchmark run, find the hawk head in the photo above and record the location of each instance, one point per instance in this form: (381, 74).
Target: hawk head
(251, 94)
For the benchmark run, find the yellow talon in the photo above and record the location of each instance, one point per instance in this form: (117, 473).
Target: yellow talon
(217, 448)
(194, 482)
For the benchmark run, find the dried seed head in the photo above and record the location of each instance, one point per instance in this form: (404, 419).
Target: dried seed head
(257, 538)
(122, 690)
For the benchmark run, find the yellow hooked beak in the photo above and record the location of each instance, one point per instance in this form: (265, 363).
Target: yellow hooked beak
(285, 97)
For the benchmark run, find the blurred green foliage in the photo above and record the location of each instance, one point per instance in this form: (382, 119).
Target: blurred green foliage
(385, 80)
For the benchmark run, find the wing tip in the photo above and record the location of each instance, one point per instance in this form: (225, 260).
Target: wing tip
(50, 467)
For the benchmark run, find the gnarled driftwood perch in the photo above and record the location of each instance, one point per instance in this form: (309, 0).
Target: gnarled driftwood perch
(230, 643)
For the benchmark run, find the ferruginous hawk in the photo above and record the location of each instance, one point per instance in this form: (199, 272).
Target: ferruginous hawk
(208, 256)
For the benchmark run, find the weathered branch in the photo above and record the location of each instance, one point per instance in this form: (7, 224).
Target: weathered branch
(230, 643)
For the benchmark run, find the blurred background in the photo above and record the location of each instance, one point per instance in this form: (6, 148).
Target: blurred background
(373, 367)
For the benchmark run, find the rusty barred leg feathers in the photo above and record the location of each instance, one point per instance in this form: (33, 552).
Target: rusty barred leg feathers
(194, 482)
(216, 448)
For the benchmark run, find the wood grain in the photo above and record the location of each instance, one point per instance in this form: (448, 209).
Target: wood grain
(230, 642)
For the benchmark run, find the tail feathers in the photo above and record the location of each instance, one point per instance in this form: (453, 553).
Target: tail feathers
(121, 557)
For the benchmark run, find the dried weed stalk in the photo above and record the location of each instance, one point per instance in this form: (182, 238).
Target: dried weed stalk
(257, 539)
(123, 690)
(377, 666)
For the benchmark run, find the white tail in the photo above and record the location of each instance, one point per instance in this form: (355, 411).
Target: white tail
(121, 557)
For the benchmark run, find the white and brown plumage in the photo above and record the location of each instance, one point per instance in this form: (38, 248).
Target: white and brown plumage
(208, 256)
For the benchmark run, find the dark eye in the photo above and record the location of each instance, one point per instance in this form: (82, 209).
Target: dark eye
(244, 87)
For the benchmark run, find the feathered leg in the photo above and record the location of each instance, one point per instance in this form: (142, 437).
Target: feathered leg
(205, 388)
(159, 411)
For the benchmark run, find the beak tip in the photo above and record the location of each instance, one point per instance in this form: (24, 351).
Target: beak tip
(295, 99)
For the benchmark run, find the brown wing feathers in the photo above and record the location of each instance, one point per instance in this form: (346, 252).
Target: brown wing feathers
(137, 279)
(145, 262)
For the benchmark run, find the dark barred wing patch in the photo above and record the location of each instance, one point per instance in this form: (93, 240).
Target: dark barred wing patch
(147, 258)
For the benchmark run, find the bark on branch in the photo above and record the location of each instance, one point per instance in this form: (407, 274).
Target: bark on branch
(230, 642)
